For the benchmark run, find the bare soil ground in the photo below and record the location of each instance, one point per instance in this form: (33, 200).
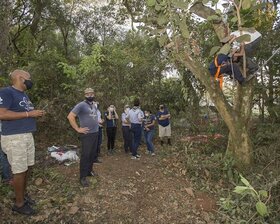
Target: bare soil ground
(125, 191)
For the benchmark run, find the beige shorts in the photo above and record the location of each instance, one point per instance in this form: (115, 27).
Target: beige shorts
(20, 151)
(164, 131)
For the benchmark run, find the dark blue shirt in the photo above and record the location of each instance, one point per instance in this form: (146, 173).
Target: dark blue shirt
(164, 122)
(222, 58)
(149, 120)
(16, 101)
(110, 123)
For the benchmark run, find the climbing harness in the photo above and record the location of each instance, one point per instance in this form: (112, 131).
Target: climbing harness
(219, 77)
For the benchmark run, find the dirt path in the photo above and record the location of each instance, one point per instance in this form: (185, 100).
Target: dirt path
(141, 191)
(125, 191)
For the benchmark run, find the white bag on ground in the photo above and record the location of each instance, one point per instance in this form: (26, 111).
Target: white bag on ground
(62, 156)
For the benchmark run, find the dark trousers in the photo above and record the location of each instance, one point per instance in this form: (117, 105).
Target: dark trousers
(234, 71)
(88, 153)
(100, 130)
(127, 138)
(111, 136)
(6, 168)
(136, 130)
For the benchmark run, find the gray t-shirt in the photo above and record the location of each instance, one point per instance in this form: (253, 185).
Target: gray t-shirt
(87, 114)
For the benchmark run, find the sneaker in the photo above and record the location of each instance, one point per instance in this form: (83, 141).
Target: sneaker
(153, 154)
(29, 200)
(92, 174)
(134, 157)
(25, 209)
(138, 156)
(84, 182)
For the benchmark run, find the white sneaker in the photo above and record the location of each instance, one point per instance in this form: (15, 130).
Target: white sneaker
(138, 156)
(153, 154)
(135, 158)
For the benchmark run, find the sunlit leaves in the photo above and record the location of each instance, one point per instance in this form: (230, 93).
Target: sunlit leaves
(151, 3)
(243, 38)
(179, 4)
(184, 28)
(163, 39)
(246, 4)
(261, 208)
(214, 50)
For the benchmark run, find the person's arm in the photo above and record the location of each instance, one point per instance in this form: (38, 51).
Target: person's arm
(109, 115)
(116, 115)
(239, 53)
(150, 125)
(72, 120)
(6, 114)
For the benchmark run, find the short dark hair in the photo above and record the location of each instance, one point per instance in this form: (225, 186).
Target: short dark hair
(136, 102)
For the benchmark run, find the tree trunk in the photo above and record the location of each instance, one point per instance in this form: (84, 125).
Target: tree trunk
(236, 117)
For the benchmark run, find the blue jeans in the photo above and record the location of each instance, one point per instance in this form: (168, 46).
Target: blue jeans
(136, 130)
(6, 168)
(149, 135)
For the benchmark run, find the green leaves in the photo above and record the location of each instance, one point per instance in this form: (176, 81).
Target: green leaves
(184, 28)
(243, 38)
(246, 4)
(151, 3)
(162, 40)
(240, 189)
(179, 4)
(261, 208)
(214, 50)
(162, 20)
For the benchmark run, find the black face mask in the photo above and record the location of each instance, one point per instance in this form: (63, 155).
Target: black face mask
(28, 83)
(161, 108)
(90, 98)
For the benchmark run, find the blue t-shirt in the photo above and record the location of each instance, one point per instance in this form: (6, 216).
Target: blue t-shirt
(222, 58)
(16, 101)
(110, 123)
(87, 114)
(149, 120)
(164, 122)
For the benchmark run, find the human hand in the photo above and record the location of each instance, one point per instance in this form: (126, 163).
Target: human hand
(36, 113)
(83, 130)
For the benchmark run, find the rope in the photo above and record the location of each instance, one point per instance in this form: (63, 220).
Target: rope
(265, 63)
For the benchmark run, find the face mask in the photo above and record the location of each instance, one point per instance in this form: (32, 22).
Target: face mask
(111, 109)
(90, 98)
(147, 115)
(28, 83)
(161, 108)
(126, 110)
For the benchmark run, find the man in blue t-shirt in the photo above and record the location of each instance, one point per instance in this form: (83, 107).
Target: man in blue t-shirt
(18, 123)
(86, 112)
(164, 127)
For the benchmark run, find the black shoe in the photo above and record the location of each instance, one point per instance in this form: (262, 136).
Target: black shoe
(84, 182)
(169, 141)
(161, 143)
(92, 174)
(29, 200)
(25, 209)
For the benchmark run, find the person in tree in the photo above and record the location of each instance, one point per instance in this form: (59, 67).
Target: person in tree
(111, 118)
(229, 59)
(86, 112)
(127, 138)
(149, 121)
(135, 117)
(18, 115)
(163, 118)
